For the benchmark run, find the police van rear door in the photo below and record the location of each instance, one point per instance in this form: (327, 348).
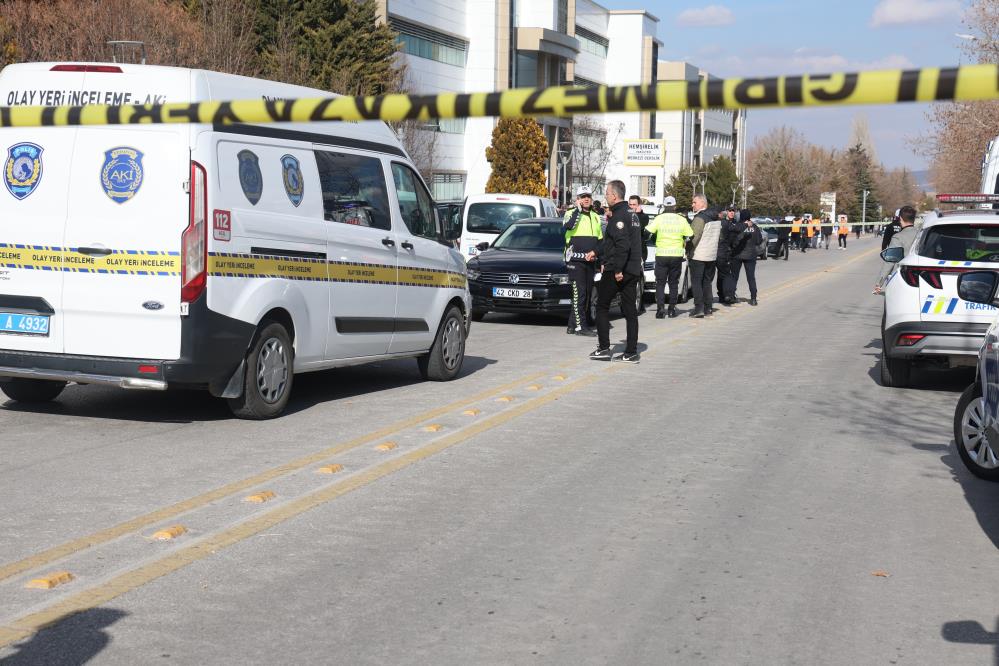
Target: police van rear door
(127, 209)
(946, 251)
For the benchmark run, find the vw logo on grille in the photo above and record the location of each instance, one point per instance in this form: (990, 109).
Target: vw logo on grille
(514, 279)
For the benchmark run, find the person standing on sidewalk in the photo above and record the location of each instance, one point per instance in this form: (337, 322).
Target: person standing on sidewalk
(843, 231)
(729, 235)
(903, 238)
(635, 204)
(671, 231)
(783, 236)
(744, 255)
(703, 253)
(827, 231)
(582, 234)
(796, 233)
(620, 254)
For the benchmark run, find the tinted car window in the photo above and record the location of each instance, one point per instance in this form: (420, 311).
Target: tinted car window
(493, 217)
(415, 204)
(961, 242)
(528, 236)
(353, 190)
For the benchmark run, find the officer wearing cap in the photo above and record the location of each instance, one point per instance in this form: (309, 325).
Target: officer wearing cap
(582, 234)
(671, 231)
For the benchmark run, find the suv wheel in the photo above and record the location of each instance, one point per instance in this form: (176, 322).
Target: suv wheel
(895, 372)
(269, 374)
(970, 438)
(443, 363)
(31, 390)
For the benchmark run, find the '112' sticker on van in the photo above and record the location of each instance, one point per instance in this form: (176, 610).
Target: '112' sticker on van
(222, 226)
(121, 173)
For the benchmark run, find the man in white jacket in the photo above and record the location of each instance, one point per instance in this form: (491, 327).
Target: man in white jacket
(703, 253)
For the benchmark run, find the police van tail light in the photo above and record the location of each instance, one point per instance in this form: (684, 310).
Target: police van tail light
(910, 275)
(909, 339)
(194, 242)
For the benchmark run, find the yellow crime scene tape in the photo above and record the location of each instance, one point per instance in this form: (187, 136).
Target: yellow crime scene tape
(932, 84)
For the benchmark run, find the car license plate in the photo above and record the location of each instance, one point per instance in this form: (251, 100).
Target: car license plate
(502, 292)
(25, 324)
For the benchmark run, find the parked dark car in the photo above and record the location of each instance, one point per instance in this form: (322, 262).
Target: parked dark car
(522, 271)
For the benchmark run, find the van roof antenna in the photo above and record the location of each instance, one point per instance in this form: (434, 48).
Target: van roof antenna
(117, 44)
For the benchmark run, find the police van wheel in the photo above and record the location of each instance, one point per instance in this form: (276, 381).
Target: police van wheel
(31, 390)
(269, 375)
(443, 363)
(977, 453)
(895, 372)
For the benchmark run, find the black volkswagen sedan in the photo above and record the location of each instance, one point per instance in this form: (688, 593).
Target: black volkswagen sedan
(523, 270)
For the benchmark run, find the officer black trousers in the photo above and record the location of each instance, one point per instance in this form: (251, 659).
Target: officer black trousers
(607, 289)
(581, 279)
(750, 265)
(668, 271)
(725, 285)
(702, 274)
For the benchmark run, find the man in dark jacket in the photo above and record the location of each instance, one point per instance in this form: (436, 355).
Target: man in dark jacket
(620, 254)
(749, 238)
(635, 204)
(730, 230)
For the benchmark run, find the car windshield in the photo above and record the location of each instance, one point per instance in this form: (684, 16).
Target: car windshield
(495, 217)
(532, 236)
(961, 242)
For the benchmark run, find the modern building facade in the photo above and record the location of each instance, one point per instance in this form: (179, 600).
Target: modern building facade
(489, 45)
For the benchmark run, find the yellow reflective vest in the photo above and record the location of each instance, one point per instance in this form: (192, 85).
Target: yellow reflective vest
(671, 232)
(588, 224)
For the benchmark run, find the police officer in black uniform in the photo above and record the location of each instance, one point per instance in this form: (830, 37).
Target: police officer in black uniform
(620, 254)
(582, 234)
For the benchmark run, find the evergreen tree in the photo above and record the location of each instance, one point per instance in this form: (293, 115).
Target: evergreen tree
(860, 178)
(721, 178)
(518, 154)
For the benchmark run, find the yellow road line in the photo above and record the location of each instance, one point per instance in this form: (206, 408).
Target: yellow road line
(103, 536)
(27, 625)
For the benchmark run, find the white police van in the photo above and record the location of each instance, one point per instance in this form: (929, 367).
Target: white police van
(228, 257)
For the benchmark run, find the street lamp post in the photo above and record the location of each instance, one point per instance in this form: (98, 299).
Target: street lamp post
(735, 188)
(564, 155)
(702, 178)
(863, 211)
(745, 193)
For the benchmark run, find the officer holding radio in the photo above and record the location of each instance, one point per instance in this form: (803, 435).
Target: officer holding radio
(582, 234)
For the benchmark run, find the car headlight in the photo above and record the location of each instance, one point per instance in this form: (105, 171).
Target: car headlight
(473, 275)
(561, 279)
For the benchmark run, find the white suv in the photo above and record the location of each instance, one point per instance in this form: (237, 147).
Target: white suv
(924, 319)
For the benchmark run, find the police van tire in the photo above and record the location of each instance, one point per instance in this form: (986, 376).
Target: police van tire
(895, 372)
(977, 453)
(443, 363)
(31, 390)
(269, 374)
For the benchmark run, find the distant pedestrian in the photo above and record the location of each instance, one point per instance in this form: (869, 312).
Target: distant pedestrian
(703, 252)
(783, 237)
(744, 254)
(843, 231)
(827, 231)
(892, 229)
(796, 233)
(620, 254)
(671, 231)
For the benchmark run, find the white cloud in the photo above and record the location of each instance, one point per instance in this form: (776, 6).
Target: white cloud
(769, 62)
(706, 17)
(903, 12)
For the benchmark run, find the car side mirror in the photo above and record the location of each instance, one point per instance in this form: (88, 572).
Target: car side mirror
(893, 255)
(452, 232)
(977, 286)
(483, 246)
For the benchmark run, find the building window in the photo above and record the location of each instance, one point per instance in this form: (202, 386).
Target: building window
(591, 42)
(586, 83)
(562, 16)
(448, 186)
(447, 125)
(643, 186)
(426, 43)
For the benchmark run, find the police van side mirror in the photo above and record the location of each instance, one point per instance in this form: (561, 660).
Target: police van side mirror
(483, 246)
(452, 232)
(893, 255)
(977, 286)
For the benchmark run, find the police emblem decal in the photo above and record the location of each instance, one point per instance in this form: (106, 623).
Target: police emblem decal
(294, 184)
(23, 170)
(121, 173)
(250, 178)
(620, 225)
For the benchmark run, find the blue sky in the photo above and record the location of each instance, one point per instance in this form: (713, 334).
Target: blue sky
(761, 37)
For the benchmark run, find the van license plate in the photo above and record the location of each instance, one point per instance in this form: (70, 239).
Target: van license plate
(24, 324)
(501, 292)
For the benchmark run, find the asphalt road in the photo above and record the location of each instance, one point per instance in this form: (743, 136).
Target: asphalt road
(747, 494)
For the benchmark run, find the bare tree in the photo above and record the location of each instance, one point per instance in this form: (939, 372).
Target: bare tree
(592, 150)
(782, 169)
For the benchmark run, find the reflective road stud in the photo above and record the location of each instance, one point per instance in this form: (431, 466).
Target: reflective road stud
(506, 398)
(329, 469)
(387, 446)
(472, 412)
(559, 378)
(261, 497)
(169, 533)
(534, 387)
(50, 581)
(433, 427)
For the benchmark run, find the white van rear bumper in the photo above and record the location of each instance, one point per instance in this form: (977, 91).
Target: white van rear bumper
(84, 378)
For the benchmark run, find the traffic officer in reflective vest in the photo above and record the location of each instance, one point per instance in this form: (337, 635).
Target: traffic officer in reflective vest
(582, 234)
(671, 231)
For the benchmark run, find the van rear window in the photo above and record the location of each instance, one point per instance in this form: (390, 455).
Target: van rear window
(961, 242)
(354, 190)
(493, 217)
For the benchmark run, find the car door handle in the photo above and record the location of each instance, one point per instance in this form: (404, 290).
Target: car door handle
(406, 245)
(95, 251)
(388, 242)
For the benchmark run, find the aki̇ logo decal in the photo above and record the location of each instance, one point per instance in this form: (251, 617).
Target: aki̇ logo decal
(23, 169)
(250, 178)
(294, 184)
(121, 173)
